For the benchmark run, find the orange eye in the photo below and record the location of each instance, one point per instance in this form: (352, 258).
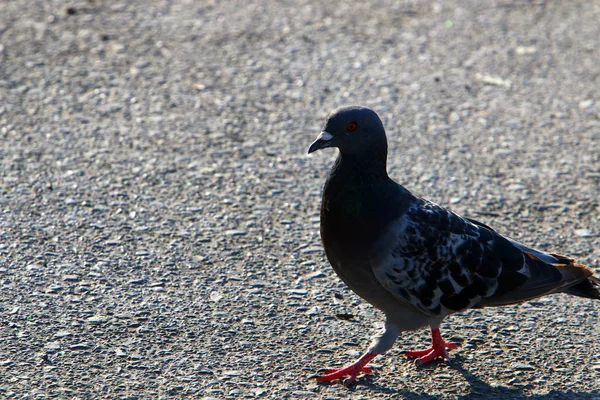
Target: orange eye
(351, 126)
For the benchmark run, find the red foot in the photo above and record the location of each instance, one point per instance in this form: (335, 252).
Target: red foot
(437, 349)
(365, 369)
(352, 370)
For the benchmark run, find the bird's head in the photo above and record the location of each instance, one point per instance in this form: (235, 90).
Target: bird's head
(353, 130)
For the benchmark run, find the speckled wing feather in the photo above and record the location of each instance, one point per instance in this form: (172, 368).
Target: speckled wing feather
(441, 263)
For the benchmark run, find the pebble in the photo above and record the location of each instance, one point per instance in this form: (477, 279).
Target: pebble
(312, 250)
(98, 320)
(80, 346)
(301, 292)
(493, 80)
(62, 334)
(523, 50)
(52, 346)
(235, 233)
(522, 366)
(34, 267)
(71, 278)
(303, 393)
(585, 104)
(584, 233)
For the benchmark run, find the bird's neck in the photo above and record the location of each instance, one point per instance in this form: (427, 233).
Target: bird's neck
(361, 168)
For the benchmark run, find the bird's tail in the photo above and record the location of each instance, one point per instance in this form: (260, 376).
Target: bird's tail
(588, 287)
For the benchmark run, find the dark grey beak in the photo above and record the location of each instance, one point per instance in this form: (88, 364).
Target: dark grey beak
(322, 141)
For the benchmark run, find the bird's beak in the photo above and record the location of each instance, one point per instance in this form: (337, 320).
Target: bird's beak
(322, 141)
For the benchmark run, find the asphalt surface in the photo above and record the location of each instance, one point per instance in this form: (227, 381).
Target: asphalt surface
(159, 213)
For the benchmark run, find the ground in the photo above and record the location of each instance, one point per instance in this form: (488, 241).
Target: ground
(159, 213)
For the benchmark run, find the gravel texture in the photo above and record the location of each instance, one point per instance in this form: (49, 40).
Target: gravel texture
(159, 214)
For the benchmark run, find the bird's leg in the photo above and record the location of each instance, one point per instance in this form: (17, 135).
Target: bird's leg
(437, 349)
(379, 346)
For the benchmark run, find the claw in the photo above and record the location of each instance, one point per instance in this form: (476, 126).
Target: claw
(437, 349)
(351, 370)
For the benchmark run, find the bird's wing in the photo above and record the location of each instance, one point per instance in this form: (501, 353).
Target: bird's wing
(441, 263)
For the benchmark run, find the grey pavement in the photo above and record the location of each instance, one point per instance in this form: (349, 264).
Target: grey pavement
(159, 213)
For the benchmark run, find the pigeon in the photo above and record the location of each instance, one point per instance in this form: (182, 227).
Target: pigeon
(413, 259)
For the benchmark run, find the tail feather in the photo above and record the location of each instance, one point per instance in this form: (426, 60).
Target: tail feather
(589, 288)
(552, 274)
(586, 285)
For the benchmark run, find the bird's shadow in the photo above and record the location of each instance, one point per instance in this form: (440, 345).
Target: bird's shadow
(479, 388)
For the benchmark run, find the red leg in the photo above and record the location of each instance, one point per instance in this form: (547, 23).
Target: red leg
(351, 370)
(437, 349)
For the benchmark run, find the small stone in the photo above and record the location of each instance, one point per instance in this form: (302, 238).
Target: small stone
(234, 232)
(304, 393)
(62, 334)
(453, 117)
(312, 275)
(583, 233)
(80, 346)
(585, 104)
(523, 50)
(313, 311)
(312, 250)
(298, 292)
(493, 80)
(200, 370)
(54, 289)
(215, 296)
(52, 347)
(34, 267)
(522, 366)
(70, 278)
(308, 263)
(97, 320)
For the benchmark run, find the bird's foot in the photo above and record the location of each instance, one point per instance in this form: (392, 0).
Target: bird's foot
(351, 370)
(437, 349)
(427, 355)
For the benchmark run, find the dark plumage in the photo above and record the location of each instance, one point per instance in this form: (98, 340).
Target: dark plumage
(413, 259)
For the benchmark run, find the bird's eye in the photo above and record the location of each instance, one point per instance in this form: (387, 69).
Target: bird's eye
(351, 126)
